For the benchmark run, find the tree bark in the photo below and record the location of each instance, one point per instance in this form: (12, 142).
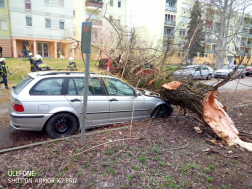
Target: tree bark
(201, 99)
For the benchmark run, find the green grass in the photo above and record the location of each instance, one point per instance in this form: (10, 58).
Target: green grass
(142, 159)
(20, 68)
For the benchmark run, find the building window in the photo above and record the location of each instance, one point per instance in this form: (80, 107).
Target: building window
(62, 25)
(181, 44)
(48, 23)
(182, 32)
(119, 19)
(111, 3)
(3, 24)
(2, 4)
(74, 13)
(188, 20)
(28, 21)
(119, 3)
(61, 3)
(46, 2)
(169, 4)
(184, 6)
(27, 4)
(183, 19)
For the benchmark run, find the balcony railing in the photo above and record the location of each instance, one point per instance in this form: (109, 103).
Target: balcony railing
(243, 44)
(95, 4)
(172, 9)
(242, 53)
(209, 17)
(170, 22)
(245, 24)
(170, 36)
(210, 40)
(95, 22)
(245, 34)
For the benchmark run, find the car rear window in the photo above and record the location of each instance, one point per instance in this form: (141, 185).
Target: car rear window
(103, 63)
(18, 88)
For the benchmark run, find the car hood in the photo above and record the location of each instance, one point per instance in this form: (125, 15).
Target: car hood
(147, 93)
(183, 72)
(224, 70)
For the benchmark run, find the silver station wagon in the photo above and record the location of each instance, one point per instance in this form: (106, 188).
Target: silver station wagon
(52, 101)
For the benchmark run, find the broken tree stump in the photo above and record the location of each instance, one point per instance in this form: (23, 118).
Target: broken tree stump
(202, 100)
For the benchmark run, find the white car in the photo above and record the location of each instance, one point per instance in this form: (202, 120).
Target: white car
(195, 72)
(226, 70)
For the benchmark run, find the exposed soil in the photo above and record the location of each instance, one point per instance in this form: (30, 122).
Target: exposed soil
(168, 154)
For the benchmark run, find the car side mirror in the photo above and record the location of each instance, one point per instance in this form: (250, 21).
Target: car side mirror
(136, 93)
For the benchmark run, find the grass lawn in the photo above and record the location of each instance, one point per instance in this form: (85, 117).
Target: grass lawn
(20, 68)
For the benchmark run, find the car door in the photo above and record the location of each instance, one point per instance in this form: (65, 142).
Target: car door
(197, 73)
(97, 105)
(204, 71)
(241, 69)
(123, 102)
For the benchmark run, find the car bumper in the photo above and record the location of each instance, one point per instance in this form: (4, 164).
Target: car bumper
(29, 122)
(220, 75)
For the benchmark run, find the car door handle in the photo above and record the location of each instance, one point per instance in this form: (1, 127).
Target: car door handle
(76, 99)
(113, 99)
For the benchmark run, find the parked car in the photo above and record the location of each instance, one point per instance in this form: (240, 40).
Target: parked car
(226, 70)
(195, 72)
(52, 101)
(249, 71)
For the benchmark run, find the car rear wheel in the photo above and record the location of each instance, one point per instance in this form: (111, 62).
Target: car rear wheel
(209, 77)
(161, 111)
(61, 125)
(190, 77)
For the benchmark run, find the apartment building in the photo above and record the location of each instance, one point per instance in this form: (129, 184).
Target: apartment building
(41, 26)
(5, 29)
(161, 20)
(94, 11)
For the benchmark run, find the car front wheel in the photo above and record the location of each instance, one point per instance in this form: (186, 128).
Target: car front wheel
(162, 111)
(61, 125)
(209, 77)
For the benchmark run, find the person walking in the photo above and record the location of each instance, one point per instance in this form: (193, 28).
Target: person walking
(1, 51)
(3, 72)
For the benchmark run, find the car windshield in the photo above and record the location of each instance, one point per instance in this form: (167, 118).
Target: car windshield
(227, 67)
(187, 69)
(22, 84)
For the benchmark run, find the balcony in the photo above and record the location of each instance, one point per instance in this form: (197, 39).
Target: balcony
(209, 17)
(168, 36)
(246, 24)
(95, 22)
(242, 53)
(243, 44)
(245, 34)
(210, 40)
(172, 9)
(170, 22)
(94, 4)
(249, 45)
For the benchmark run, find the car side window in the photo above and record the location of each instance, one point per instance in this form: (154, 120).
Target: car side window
(241, 67)
(204, 68)
(118, 88)
(76, 87)
(52, 86)
(197, 68)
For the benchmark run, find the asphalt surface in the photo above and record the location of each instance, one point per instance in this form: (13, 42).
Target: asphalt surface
(237, 84)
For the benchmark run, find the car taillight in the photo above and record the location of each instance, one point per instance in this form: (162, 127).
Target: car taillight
(17, 105)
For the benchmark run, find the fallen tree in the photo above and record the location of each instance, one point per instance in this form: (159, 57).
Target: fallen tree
(201, 99)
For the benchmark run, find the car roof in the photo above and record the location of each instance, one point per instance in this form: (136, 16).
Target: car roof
(66, 74)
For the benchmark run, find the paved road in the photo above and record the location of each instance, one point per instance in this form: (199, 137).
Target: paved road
(238, 84)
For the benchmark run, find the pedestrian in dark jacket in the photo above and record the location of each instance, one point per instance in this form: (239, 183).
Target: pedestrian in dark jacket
(1, 52)
(3, 72)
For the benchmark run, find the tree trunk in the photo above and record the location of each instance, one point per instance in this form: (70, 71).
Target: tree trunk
(201, 99)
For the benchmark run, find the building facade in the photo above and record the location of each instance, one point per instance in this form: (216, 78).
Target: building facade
(167, 20)
(5, 29)
(41, 27)
(95, 11)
